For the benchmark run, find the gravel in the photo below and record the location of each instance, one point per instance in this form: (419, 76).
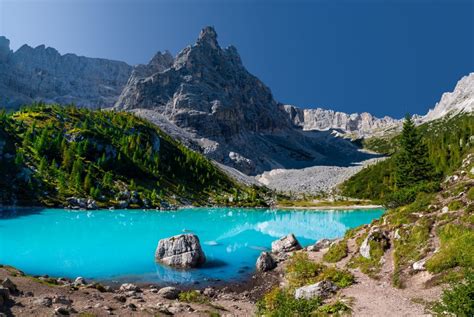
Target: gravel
(311, 180)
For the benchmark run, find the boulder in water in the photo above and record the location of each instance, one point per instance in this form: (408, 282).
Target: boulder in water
(181, 251)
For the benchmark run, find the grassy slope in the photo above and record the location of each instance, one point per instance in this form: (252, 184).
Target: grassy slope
(54, 152)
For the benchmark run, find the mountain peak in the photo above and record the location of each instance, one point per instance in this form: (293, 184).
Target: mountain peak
(208, 35)
(4, 48)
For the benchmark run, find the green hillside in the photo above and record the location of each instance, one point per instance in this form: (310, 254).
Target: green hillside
(49, 154)
(446, 141)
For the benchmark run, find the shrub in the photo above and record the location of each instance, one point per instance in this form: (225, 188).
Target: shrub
(339, 277)
(333, 309)
(281, 303)
(302, 271)
(192, 297)
(459, 300)
(337, 251)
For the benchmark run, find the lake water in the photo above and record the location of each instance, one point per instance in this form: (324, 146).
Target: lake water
(119, 245)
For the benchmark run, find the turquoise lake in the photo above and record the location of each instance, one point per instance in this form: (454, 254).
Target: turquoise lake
(119, 245)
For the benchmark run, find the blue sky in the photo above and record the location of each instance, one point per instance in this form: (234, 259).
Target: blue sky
(384, 57)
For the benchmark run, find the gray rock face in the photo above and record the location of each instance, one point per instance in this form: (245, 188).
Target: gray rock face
(356, 124)
(265, 262)
(226, 112)
(42, 74)
(286, 244)
(321, 289)
(182, 251)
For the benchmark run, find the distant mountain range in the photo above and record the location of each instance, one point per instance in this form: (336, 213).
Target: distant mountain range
(42, 74)
(206, 98)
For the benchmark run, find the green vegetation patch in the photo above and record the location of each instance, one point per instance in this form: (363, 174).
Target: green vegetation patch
(457, 249)
(193, 296)
(337, 251)
(111, 157)
(458, 300)
(301, 271)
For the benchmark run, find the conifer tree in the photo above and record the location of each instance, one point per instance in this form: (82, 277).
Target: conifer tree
(412, 163)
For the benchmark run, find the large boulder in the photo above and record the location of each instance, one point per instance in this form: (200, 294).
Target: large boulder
(182, 251)
(286, 244)
(321, 289)
(265, 262)
(377, 235)
(169, 292)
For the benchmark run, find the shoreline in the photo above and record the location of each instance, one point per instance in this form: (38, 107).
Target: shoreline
(329, 208)
(275, 208)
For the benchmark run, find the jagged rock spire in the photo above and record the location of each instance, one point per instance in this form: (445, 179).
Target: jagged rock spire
(208, 35)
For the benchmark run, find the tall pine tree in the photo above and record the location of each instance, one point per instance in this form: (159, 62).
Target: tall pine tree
(412, 164)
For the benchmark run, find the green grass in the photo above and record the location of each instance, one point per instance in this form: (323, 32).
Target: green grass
(470, 193)
(337, 251)
(282, 303)
(455, 205)
(457, 249)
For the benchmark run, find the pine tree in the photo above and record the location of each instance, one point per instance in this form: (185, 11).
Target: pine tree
(412, 163)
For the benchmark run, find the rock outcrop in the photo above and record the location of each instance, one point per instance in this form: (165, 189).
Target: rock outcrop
(286, 244)
(182, 251)
(378, 236)
(265, 262)
(321, 289)
(42, 74)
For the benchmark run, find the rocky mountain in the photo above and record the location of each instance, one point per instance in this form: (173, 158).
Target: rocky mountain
(42, 74)
(358, 125)
(461, 99)
(206, 94)
(355, 124)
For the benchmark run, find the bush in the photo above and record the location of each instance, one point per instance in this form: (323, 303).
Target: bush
(337, 251)
(341, 278)
(192, 297)
(302, 271)
(281, 303)
(459, 300)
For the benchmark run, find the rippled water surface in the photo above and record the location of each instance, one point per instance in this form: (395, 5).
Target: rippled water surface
(119, 245)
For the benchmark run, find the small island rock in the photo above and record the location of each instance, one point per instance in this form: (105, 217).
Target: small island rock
(181, 251)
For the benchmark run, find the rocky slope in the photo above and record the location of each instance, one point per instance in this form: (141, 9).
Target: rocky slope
(461, 99)
(42, 74)
(211, 98)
